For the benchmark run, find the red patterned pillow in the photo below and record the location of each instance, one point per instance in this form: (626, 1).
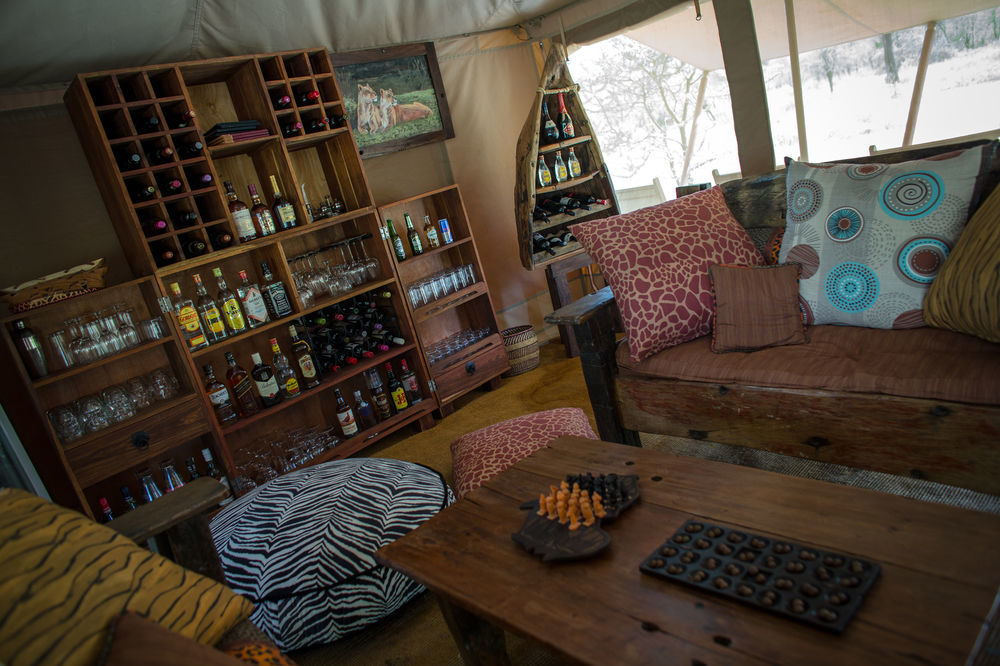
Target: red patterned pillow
(656, 261)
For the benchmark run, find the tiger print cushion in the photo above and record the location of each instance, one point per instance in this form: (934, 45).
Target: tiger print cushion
(965, 296)
(64, 579)
(302, 546)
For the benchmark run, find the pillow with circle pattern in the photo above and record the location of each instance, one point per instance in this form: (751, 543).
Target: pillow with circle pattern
(871, 237)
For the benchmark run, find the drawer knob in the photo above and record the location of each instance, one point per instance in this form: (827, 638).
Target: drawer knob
(140, 439)
(470, 367)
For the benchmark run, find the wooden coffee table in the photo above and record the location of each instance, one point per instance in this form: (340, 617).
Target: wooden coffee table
(939, 579)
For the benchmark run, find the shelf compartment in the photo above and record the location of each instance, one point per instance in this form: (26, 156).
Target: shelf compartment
(324, 162)
(103, 91)
(562, 145)
(567, 184)
(80, 369)
(449, 302)
(571, 249)
(561, 219)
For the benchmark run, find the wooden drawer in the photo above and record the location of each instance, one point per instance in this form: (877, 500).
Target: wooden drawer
(112, 451)
(485, 361)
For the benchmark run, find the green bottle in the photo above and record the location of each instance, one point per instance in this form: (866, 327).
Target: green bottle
(397, 242)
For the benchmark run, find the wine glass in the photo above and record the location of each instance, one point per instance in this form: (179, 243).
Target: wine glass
(126, 327)
(355, 269)
(371, 264)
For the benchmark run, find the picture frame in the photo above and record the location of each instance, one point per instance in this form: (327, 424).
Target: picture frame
(393, 97)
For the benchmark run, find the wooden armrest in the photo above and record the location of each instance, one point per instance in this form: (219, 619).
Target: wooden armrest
(582, 309)
(189, 501)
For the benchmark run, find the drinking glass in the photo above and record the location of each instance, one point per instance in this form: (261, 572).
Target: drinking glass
(92, 413)
(171, 479)
(118, 403)
(150, 491)
(126, 326)
(111, 341)
(163, 383)
(59, 342)
(373, 268)
(82, 346)
(139, 392)
(66, 423)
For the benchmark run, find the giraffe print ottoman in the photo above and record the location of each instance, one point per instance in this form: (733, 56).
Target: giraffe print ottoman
(481, 455)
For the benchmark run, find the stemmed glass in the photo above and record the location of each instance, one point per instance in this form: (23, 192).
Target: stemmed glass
(355, 269)
(371, 264)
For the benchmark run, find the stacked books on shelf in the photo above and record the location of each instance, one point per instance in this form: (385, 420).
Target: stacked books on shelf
(234, 132)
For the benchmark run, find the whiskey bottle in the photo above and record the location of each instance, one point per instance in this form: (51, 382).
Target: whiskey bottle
(284, 212)
(245, 229)
(261, 214)
(303, 355)
(550, 133)
(363, 411)
(283, 373)
(188, 320)
(211, 319)
(229, 304)
(218, 395)
(397, 242)
(241, 386)
(382, 404)
(431, 233)
(345, 416)
(252, 302)
(274, 294)
(415, 245)
(410, 384)
(566, 129)
(263, 378)
(396, 391)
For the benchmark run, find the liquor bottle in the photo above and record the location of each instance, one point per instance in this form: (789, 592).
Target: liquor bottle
(183, 218)
(284, 212)
(263, 377)
(363, 411)
(211, 319)
(274, 294)
(550, 133)
(252, 302)
(560, 168)
(283, 373)
(160, 155)
(192, 469)
(229, 305)
(194, 247)
(307, 98)
(171, 186)
(241, 386)
(221, 239)
(345, 416)
(382, 403)
(397, 242)
(190, 149)
(154, 227)
(291, 129)
(396, 391)
(540, 243)
(573, 164)
(141, 192)
(212, 470)
(128, 160)
(245, 229)
(261, 214)
(106, 514)
(410, 384)
(415, 245)
(188, 320)
(445, 231)
(282, 102)
(431, 233)
(127, 497)
(181, 120)
(544, 175)
(303, 355)
(218, 395)
(566, 130)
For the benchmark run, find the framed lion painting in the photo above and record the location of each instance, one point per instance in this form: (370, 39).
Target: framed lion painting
(393, 97)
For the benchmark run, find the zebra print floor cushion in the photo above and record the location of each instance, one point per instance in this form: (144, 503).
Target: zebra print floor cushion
(302, 547)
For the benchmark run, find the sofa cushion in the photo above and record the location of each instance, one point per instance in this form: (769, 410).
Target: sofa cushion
(755, 307)
(302, 546)
(917, 363)
(134, 639)
(965, 296)
(656, 261)
(65, 579)
(872, 237)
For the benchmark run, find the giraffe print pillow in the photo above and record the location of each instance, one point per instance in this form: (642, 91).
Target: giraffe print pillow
(656, 261)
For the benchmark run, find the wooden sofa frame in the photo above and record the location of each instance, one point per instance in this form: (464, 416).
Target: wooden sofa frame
(947, 442)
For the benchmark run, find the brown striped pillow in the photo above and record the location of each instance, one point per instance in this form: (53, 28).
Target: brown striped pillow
(965, 295)
(755, 307)
(65, 578)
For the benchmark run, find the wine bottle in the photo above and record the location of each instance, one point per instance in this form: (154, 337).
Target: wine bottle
(181, 120)
(147, 125)
(554, 207)
(307, 98)
(274, 294)
(261, 214)
(229, 304)
(555, 240)
(363, 411)
(317, 125)
(586, 198)
(550, 133)
(544, 175)
(283, 372)
(183, 218)
(284, 212)
(445, 231)
(188, 319)
(396, 391)
(573, 203)
(540, 243)
(410, 384)
(561, 173)
(212, 470)
(142, 192)
(190, 149)
(245, 229)
(128, 160)
(263, 378)
(241, 386)
(220, 239)
(171, 186)
(194, 248)
(163, 254)
(383, 406)
(282, 102)
(211, 319)
(303, 355)
(252, 301)
(154, 226)
(573, 164)
(539, 214)
(199, 180)
(431, 233)
(291, 129)
(218, 395)
(397, 242)
(415, 245)
(566, 130)
(160, 155)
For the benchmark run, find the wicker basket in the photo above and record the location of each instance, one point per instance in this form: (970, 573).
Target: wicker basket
(55, 287)
(522, 349)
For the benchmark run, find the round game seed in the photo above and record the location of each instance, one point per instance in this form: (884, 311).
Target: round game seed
(795, 567)
(850, 581)
(689, 557)
(721, 583)
(797, 606)
(771, 561)
(714, 532)
(699, 575)
(744, 590)
(736, 537)
(782, 548)
(807, 555)
(747, 556)
(857, 567)
(769, 598)
(823, 573)
(669, 551)
(809, 590)
(682, 538)
(656, 563)
(784, 583)
(827, 615)
(734, 569)
(757, 542)
(676, 569)
(839, 598)
(712, 563)
(702, 543)
(694, 527)
(833, 561)
(724, 549)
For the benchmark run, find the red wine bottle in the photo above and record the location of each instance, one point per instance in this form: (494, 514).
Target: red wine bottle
(317, 125)
(128, 160)
(195, 247)
(181, 120)
(566, 130)
(160, 155)
(163, 254)
(171, 186)
(141, 192)
(183, 218)
(190, 149)
(291, 129)
(154, 226)
(221, 239)
(282, 102)
(307, 98)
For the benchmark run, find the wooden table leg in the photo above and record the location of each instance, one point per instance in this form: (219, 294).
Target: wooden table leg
(479, 641)
(555, 275)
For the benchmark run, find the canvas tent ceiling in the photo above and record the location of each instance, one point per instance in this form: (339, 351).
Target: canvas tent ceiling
(818, 24)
